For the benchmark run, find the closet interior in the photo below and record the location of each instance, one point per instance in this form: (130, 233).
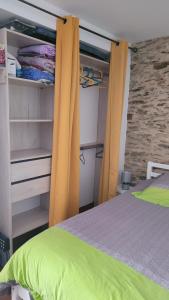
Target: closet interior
(93, 108)
(26, 113)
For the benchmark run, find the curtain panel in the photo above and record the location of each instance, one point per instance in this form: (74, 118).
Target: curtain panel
(110, 165)
(65, 173)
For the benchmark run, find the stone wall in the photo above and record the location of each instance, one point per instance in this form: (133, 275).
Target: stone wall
(148, 113)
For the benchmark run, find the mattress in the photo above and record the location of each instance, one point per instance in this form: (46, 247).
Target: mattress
(116, 251)
(130, 230)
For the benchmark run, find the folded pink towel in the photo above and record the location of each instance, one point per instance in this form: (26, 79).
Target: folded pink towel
(44, 50)
(41, 63)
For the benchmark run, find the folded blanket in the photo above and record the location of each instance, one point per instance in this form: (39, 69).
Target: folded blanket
(44, 50)
(36, 74)
(44, 64)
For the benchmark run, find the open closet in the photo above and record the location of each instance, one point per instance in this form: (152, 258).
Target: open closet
(93, 108)
(26, 113)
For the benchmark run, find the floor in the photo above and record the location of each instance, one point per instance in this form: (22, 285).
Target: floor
(5, 298)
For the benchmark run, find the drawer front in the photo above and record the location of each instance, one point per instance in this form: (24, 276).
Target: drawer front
(30, 169)
(31, 188)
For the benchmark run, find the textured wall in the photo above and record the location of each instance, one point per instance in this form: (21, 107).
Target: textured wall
(148, 113)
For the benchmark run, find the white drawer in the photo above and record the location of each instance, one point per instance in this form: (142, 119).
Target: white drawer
(29, 169)
(31, 188)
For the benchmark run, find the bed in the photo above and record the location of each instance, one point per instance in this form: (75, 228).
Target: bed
(116, 251)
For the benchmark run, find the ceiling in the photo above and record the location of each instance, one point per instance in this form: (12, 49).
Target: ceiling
(134, 20)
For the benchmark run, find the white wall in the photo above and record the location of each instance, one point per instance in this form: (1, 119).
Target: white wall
(89, 103)
(87, 177)
(124, 118)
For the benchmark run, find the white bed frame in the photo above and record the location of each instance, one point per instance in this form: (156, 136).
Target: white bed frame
(151, 165)
(19, 293)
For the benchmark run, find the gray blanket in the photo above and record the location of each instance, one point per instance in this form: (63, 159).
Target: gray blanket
(131, 230)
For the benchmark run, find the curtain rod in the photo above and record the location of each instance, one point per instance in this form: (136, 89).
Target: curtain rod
(134, 49)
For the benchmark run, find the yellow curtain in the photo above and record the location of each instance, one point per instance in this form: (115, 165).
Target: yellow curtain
(65, 173)
(110, 164)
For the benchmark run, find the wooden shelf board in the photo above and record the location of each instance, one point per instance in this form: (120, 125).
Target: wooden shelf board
(29, 154)
(94, 59)
(28, 82)
(31, 121)
(28, 221)
(18, 39)
(95, 63)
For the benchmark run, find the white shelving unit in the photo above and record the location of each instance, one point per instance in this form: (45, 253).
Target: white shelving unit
(26, 113)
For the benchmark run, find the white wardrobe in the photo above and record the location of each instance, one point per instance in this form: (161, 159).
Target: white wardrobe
(26, 123)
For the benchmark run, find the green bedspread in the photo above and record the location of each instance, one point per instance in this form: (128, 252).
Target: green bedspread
(56, 265)
(154, 195)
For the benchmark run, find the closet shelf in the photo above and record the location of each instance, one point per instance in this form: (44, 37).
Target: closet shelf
(31, 121)
(91, 146)
(91, 58)
(28, 82)
(19, 40)
(29, 220)
(29, 154)
(95, 63)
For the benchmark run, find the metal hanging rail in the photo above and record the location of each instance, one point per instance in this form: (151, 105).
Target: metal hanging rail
(134, 49)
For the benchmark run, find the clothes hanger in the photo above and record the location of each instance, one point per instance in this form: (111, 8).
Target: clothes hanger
(90, 77)
(99, 154)
(82, 158)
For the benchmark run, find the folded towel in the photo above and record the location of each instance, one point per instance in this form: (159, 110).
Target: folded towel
(36, 74)
(44, 64)
(44, 50)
